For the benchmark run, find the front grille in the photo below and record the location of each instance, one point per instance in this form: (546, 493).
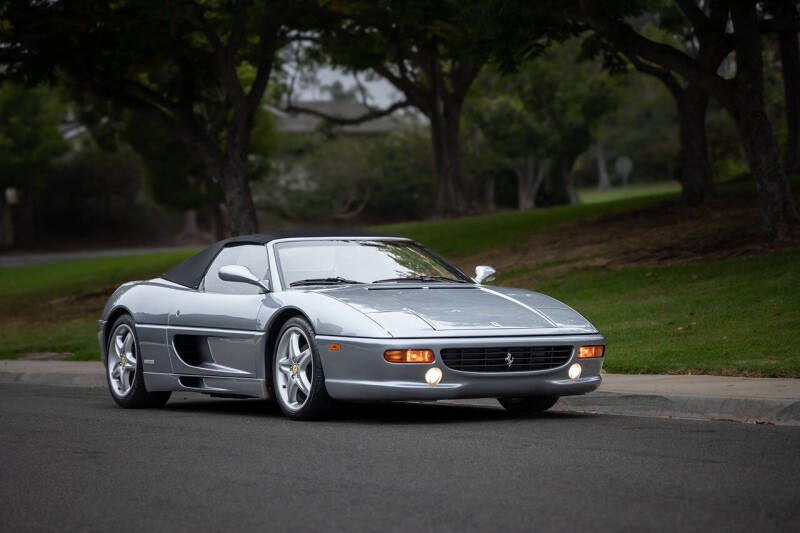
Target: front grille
(509, 359)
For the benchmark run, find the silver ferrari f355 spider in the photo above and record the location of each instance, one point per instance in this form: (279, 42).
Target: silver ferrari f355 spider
(309, 318)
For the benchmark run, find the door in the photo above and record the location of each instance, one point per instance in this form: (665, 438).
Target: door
(215, 330)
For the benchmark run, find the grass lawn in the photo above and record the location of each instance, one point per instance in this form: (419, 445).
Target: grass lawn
(468, 235)
(595, 196)
(85, 274)
(54, 307)
(738, 316)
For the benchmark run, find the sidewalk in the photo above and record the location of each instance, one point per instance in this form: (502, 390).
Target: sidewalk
(755, 400)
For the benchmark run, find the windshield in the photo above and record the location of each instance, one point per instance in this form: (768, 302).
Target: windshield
(327, 262)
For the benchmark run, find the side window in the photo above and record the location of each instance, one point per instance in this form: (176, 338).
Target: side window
(253, 256)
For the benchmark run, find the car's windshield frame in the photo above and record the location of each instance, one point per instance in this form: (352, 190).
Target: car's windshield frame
(458, 274)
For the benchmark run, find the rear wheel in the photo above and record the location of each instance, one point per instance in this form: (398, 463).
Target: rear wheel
(298, 379)
(528, 405)
(124, 368)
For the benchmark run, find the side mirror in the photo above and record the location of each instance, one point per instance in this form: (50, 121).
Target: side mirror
(242, 274)
(484, 273)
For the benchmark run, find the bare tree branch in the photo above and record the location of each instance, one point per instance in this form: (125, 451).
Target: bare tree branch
(270, 42)
(664, 74)
(341, 121)
(654, 52)
(412, 92)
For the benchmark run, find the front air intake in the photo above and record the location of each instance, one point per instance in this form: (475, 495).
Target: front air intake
(506, 359)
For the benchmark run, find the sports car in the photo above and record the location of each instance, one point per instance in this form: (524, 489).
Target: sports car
(311, 318)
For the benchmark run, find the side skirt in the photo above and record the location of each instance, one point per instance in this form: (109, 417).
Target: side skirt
(221, 386)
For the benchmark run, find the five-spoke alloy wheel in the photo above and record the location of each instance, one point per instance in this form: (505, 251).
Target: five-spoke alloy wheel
(294, 368)
(298, 381)
(122, 360)
(124, 368)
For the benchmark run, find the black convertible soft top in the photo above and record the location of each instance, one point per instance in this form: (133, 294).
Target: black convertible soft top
(190, 273)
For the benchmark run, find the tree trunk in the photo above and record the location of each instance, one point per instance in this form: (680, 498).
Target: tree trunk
(569, 185)
(529, 179)
(790, 65)
(603, 182)
(217, 221)
(775, 205)
(490, 202)
(696, 178)
(445, 123)
(525, 170)
(238, 198)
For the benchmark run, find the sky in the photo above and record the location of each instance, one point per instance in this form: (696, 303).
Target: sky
(381, 92)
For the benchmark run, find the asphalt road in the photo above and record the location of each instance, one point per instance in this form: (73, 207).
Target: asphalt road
(70, 459)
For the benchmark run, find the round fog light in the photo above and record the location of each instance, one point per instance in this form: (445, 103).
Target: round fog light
(575, 371)
(433, 376)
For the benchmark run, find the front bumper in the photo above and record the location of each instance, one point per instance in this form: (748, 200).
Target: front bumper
(358, 371)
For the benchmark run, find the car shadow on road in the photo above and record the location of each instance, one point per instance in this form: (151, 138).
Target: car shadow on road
(434, 413)
(371, 412)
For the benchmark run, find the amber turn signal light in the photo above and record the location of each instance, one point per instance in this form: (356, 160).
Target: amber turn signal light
(587, 352)
(408, 356)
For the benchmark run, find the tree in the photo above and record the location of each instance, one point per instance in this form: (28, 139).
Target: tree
(199, 68)
(669, 24)
(332, 175)
(548, 112)
(514, 138)
(29, 137)
(785, 20)
(431, 51)
(742, 95)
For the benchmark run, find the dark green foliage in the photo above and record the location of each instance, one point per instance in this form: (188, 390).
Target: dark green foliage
(338, 177)
(94, 194)
(199, 68)
(29, 137)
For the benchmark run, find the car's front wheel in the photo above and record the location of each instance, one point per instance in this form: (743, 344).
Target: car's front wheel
(298, 380)
(528, 405)
(124, 368)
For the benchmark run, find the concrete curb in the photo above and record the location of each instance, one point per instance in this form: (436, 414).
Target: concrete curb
(781, 411)
(61, 374)
(747, 410)
(58, 380)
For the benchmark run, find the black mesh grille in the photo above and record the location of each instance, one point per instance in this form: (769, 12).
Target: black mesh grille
(509, 359)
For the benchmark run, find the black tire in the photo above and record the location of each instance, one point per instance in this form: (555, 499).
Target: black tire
(529, 405)
(318, 403)
(137, 397)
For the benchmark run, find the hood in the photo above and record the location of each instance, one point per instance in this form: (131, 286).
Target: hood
(442, 307)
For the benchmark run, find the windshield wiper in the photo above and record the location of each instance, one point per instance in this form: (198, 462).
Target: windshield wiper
(323, 281)
(420, 278)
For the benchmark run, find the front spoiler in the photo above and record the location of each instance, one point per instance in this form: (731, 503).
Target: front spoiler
(357, 371)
